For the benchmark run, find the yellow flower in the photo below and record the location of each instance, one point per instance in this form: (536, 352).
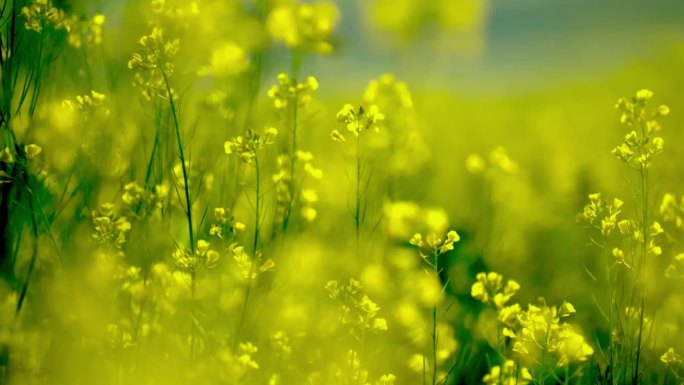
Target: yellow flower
(387, 91)
(417, 240)
(663, 110)
(32, 151)
(507, 374)
(309, 196)
(361, 120)
(289, 90)
(379, 324)
(475, 164)
(489, 288)
(644, 94)
(309, 214)
(671, 357)
(304, 27)
(387, 379)
(337, 137)
(228, 59)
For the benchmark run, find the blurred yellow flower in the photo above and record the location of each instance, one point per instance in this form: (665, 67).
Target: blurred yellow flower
(304, 27)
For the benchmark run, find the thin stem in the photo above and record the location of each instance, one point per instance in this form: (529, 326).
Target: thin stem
(34, 252)
(257, 67)
(188, 212)
(362, 356)
(357, 215)
(150, 163)
(434, 326)
(257, 208)
(643, 178)
(255, 245)
(611, 305)
(181, 153)
(293, 162)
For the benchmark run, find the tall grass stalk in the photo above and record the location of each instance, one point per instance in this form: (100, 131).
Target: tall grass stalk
(358, 221)
(188, 214)
(255, 250)
(293, 162)
(643, 179)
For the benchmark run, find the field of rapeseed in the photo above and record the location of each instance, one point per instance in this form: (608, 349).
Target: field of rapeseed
(217, 192)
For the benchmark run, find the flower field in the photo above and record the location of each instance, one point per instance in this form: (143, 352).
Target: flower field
(377, 192)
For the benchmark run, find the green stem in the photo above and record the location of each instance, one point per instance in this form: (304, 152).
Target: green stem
(181, 153)
(257, 205)
(362, 354)
(188, 212)
(38, 75)
(255, 245)
(434, 326)
(357, 215)
(150, 163)
(611, 305)
(293, 162)
(34, 252)
(257, 67)
(643, 178)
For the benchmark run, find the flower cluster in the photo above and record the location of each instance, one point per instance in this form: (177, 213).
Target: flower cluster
(674, 362)
(304, 27)
(357, 121)
(403, 217)
(541, 332)
(188, 261)
(153, 63)
(498, 159)
(402, 142)
(118, 337)
(246, 147)
(507, 374)
(288, 90)
(432, 245)
(225, 225)
(307, 196)
(250, 267)
(134, 195)
(27, 158)
(630, 229)
(32, 151)
(406, 19)
(387, 90)
(247, 351)
(88, 30)
(86, 103)
(42, 13)
(538, 333)
(228, 59)
(177, 13)
(354, 372)
(672, 210)
(281, 344)
(676, 268)
(490, 289)
(639, 145)
(601, 214)
(110, 227)
(355, 308)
